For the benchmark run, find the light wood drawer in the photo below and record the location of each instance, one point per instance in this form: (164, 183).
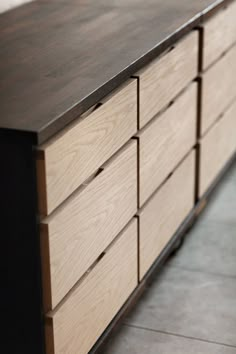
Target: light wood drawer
(76, 234)
(217, 146)
(219, 89)
(165, 77)
(219, 34)
(77, 324)
(67, 160)
(166, 140)
(165, 212)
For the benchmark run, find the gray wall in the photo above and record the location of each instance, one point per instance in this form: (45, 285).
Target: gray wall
(9, 4)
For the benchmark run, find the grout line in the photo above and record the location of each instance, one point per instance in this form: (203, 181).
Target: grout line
(179, 335)
(202, 271)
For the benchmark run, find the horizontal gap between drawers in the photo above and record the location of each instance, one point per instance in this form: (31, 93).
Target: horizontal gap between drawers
(85, 184)
(217, 59)
(83, 277)
(219, 117)
(166, 179)
(163, 110)
(80, 189)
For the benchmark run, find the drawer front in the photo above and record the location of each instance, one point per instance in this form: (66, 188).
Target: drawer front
(166, 77)
(165, 212)
(217, 147)
(219, 89)
(67, 160)
(77, 233)
(219, 34)
(77, 324)
(165, 142)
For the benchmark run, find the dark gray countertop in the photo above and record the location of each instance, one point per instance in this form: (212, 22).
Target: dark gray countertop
(60, 57)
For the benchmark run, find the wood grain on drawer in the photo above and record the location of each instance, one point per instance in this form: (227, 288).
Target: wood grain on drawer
(166, 140)
(165, 212)
(217, 146)
(76, 325)
(67, 160)
(164, 78)
(219, 34)
(219, 89)
(76, 234)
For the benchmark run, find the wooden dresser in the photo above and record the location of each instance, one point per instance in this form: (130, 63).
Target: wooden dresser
(117, 120)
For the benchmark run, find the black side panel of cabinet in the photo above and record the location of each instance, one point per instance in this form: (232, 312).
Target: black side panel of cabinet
(20, 251)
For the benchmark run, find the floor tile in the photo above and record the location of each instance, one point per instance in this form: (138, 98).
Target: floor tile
(138, 341)
(209, 247)
(195, 294)
(192, 304)
(222, 205)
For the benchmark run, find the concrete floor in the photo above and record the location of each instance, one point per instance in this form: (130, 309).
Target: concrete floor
(191, 307)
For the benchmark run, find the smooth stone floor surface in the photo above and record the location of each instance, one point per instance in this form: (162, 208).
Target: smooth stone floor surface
(191, 305)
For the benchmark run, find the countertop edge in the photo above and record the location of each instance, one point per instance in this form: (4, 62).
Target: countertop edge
(67, 117)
